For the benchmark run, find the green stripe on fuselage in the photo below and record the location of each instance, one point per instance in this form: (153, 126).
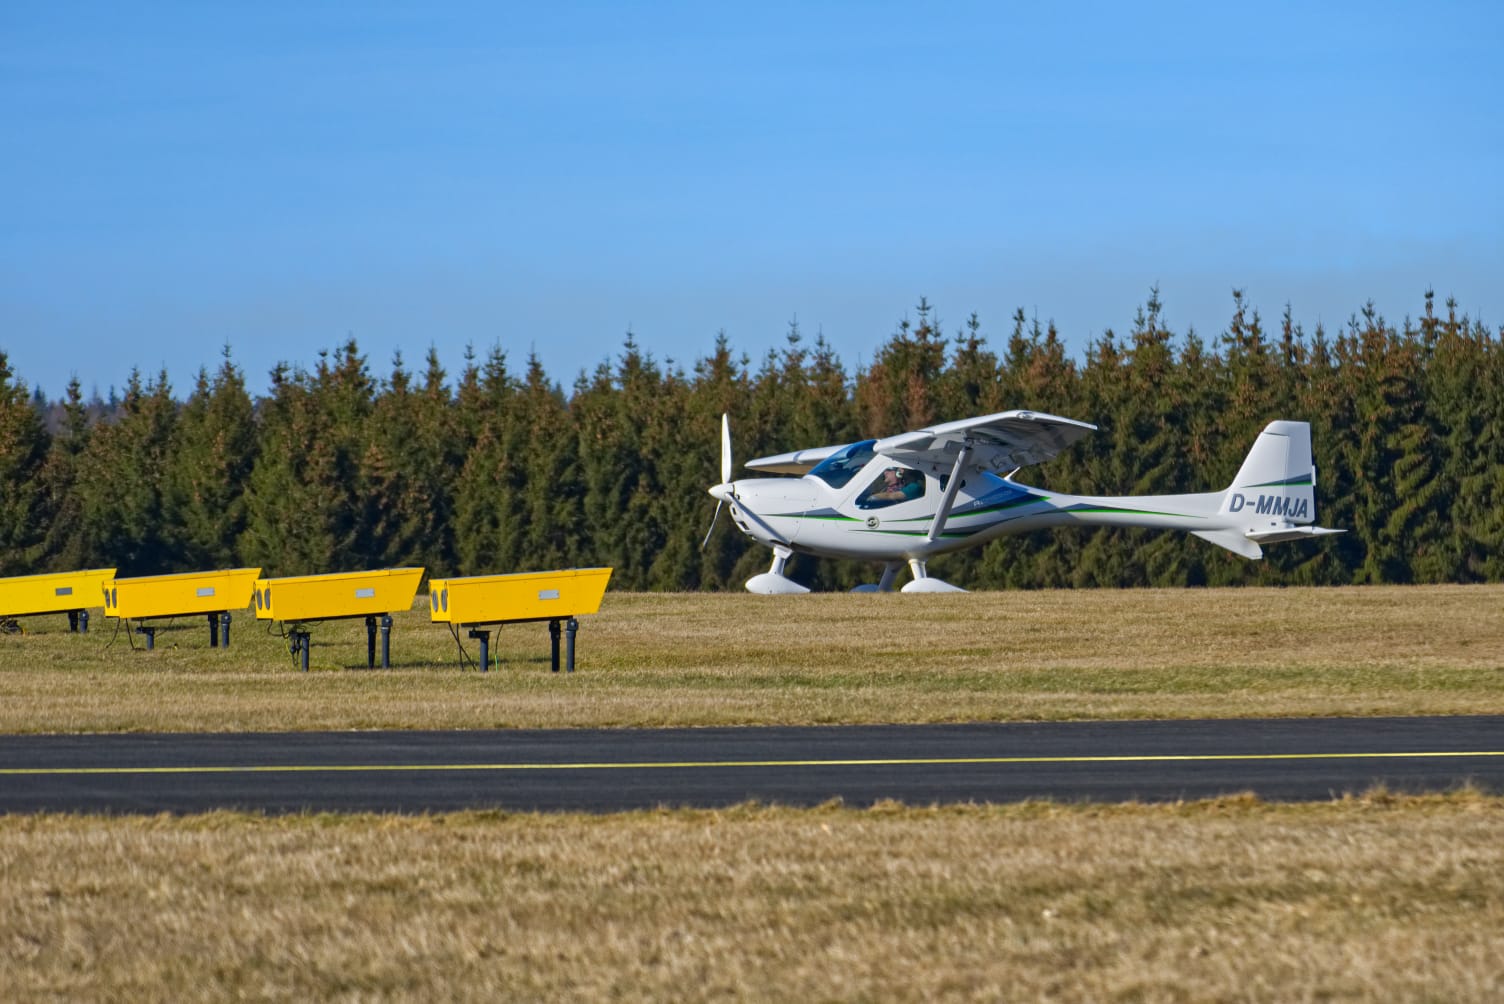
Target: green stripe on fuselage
(1133, 512)
(836, 518)
(926, 518)
(921, 533)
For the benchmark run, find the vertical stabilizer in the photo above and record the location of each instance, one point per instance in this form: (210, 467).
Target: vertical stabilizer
(1282, 452)
(1273, 498)
(1276, 486)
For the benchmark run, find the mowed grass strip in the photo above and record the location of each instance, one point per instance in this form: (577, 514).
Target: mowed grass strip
(733, 659)
(1377, 898)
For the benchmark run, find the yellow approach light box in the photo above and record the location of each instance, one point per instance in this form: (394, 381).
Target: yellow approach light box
(301, 599)
(72, 593)
(159, 597)
(480, 600)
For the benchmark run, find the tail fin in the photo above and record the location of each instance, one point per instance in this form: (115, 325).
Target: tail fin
(1277, 480)
(1273, 498)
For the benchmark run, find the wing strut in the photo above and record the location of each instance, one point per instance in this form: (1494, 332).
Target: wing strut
(937, 525)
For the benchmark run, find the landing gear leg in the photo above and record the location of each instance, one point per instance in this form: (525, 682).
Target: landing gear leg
(923, 583)
(781, 556)
(885, 584)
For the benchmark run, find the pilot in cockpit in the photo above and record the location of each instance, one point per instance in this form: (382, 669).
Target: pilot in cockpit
(896, 484)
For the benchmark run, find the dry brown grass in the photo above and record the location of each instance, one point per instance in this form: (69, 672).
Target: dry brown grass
(649, 660)
(1382, 899)
(1373, 899)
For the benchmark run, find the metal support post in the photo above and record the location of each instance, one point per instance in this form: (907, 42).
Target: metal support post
(386, 641)
(484, 637)
(371, 642)
(301, 643)
(224, 629)
(571, 626)
(150, 633)
(214, 630)
(553, 634)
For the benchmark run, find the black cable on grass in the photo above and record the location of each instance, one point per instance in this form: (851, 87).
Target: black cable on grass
(464, 656)
(117, 635)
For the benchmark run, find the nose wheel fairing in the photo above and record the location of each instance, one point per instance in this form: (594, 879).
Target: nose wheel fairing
(923, 583)
(773, 582)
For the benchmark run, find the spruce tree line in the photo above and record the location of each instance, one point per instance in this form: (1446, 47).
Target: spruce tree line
(499, 469)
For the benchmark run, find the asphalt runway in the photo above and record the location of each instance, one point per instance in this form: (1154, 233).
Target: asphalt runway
(608, 770)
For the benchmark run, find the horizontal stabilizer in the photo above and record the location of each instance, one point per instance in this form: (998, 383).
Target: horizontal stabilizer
(1233, 541)
(1290, 533)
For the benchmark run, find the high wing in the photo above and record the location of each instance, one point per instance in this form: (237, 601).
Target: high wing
(797, 462)
(999, 443)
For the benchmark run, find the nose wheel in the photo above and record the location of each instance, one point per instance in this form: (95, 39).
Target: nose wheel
(774, 581)
(924, 583)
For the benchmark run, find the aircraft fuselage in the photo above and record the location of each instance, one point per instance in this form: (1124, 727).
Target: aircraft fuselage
(807, 514)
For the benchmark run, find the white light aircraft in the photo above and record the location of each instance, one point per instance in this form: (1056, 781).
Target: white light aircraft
(910, 497)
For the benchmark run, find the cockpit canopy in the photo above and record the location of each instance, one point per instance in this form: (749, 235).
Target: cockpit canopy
(840, 467)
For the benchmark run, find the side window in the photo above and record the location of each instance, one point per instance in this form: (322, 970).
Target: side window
(894, 485)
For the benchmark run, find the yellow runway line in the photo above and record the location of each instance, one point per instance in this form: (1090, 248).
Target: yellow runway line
(705, 764)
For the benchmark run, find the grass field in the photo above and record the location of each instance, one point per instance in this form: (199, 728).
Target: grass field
(1379, 898)
(651, 660)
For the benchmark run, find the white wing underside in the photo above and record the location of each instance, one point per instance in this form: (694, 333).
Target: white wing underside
(999, 443)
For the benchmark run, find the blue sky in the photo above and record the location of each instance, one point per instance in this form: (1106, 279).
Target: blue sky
(279, 177)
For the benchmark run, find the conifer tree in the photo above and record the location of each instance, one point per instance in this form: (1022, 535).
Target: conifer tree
(1394, 456)
(1151, 445)
(23, 451)
(304, 511)
(675, 499)
(125, 516)
(971, 383)
(1325, 399)
(407, 472)
(209, 466)
(553, 532)
(64, 546)
(1459, 395)
(1482, 487)
(898, 391)
(1253, 392)
(489, 496)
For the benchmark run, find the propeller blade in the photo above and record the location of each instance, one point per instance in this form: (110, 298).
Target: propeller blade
(725, 448)
(725, 477)
(706, 542)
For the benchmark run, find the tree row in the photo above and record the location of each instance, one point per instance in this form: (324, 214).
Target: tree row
(498, 469)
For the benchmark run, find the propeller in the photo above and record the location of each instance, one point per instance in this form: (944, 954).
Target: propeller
(724, 489)
(725, 448)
